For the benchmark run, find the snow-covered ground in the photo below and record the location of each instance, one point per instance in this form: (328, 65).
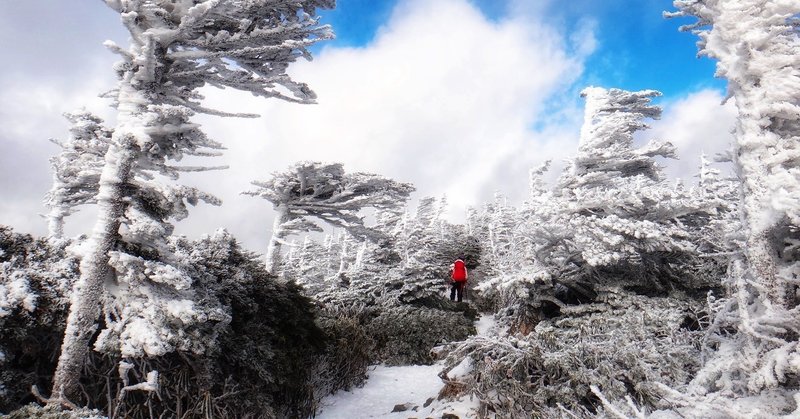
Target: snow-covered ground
(484, 324)
(412, 385)
(387, 387)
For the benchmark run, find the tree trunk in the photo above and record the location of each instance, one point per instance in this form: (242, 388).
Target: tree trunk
(55, 222)
(87, 294)
(342, 258)
(758, 218)
(762, 258)
(273, 259)
(55, 218)
(88, 291)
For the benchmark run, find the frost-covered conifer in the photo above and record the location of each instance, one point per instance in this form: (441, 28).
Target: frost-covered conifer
(756, 44)
(616, 204)
(416, 235)
(175, 49)
(605, 149)
(325, 192)
(504, 244)
(76, 170)
(427, 244)
(496, 226)
(408, 263)
(612, 217)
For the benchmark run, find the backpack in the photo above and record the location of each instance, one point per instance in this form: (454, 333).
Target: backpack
(459, 271)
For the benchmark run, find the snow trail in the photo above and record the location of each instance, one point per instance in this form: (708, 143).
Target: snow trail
(410, 385)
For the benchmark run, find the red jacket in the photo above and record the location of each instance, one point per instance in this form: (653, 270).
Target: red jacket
(459, 273)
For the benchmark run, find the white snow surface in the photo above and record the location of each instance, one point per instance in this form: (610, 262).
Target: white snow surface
(387, 387)
(391, 386)
(484, 324)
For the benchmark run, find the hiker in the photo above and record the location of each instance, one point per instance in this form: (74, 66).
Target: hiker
(458, 275)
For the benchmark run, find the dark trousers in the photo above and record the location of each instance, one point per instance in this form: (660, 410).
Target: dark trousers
(457, 288)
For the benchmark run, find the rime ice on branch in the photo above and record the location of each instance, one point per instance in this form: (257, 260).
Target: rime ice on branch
(76, 170)
(757, 44)
(325, 192)
(618, 206)
(176, 48)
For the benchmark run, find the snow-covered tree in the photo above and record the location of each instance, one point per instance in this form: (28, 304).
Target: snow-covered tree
(611, 219)
(756, 44)
(76, 170)
(610, 207)
(605, 149)
(325, 192)
(427, 244)
(610, 245)
(616, 205)
(417, 235)
(305, 267)
(175, 49)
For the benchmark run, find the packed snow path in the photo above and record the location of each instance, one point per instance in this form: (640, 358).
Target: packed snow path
(415, 386)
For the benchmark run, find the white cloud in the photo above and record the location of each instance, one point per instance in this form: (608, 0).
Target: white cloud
(695, 124)
(443, 98)
(30, 114)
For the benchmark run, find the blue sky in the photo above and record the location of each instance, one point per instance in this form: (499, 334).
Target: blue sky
(459, 97)
(637, 47)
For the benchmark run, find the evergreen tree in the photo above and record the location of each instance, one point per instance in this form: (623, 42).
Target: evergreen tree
(176, 48)
(612, 219)
(326, 192)
(618, 207)
(76, 170)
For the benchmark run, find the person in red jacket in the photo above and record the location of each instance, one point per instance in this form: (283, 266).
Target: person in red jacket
(458, 274)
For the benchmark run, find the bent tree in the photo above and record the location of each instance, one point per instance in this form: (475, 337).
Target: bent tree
(325, 192)
(176, 47)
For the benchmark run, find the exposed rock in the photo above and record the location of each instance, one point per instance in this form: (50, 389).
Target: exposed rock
(402, 407)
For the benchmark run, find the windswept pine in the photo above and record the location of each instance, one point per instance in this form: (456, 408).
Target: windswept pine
(325, 192)
(176, 48)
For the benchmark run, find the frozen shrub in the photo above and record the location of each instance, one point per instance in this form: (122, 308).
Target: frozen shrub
(406, 334)
(622, 343)
(350, 351)
(258, 363)
(34, 278)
